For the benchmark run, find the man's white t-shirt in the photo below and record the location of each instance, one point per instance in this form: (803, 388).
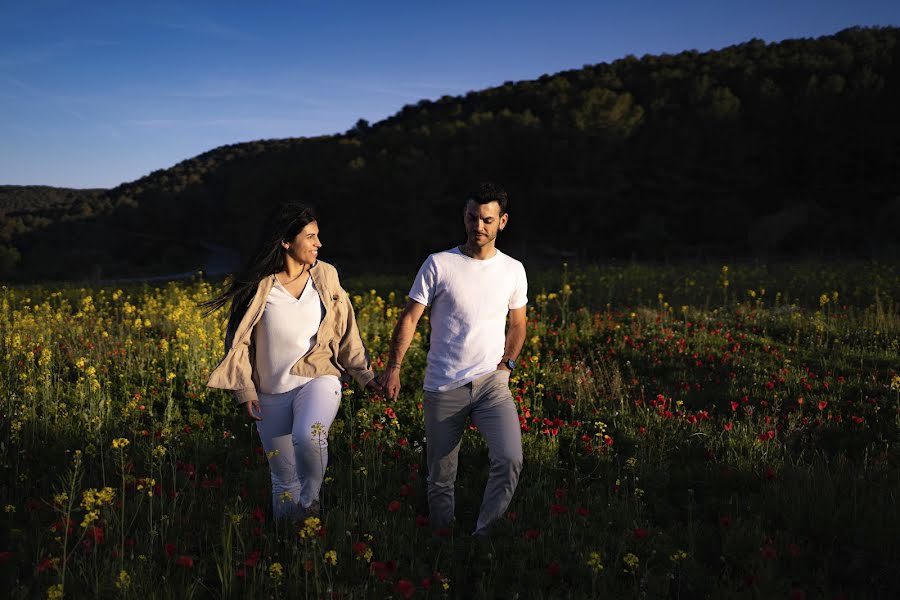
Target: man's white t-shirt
(469, 301)
(286, 331)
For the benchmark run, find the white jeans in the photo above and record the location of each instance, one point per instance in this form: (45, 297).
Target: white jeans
(294, 433)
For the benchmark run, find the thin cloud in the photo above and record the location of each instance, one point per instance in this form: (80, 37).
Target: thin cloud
(213, 29)
(256, 122)
(224, 91)
(48, 53)
(61, 103)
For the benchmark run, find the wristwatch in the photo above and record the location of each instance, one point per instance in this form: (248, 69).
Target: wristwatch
(510, 364)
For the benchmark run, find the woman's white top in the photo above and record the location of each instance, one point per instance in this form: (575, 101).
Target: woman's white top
(286, 331)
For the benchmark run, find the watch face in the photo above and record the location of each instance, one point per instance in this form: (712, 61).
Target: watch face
(511, 364)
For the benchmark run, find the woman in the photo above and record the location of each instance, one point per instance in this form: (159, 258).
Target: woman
(291, 333)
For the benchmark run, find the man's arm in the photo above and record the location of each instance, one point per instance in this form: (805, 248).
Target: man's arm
(515, 335)
(400, 341)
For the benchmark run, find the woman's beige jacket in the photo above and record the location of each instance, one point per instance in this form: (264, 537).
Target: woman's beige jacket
(338, 348)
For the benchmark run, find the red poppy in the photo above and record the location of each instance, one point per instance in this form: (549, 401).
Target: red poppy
(96, 534)
(406, 490)
(421, 521)
(558, 509)
(252, 558)
(640, 533)
(512, 516)
(769, 473)
(185, 561)
(769, 551)
(725, 521)
(309, 565)
(405, 588)
(798, 594)
(823, 404)
(559, 494)
(383, 570)
(359, 548)
(5, 557)
(728, 426)
(45, 564)
(553, 568)
(393, 506)
(258, 514)
(170, 551)
(531, 534)
(240, 573)
(583, 511)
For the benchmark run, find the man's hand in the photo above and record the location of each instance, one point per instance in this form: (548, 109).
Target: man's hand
(502, 367)
(390, 382)
(254, 412)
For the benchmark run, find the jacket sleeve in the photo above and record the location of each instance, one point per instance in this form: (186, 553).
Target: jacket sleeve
(352, 355)
(235, 372)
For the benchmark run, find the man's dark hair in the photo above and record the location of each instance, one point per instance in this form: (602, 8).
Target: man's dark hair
(489, 192)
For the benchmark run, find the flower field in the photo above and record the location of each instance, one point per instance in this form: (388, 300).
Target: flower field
(689, 432)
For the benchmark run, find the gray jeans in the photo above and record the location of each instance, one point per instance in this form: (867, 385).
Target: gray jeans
(489, 403)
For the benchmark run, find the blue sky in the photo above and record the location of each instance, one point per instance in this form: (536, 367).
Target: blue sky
(93, 94)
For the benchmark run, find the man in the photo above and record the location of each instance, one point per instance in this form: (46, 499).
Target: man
(471, 289)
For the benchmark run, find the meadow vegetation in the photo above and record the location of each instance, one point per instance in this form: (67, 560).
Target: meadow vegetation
(722, 432)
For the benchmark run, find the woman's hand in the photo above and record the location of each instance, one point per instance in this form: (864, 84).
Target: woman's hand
(374, 387)
(253, 410)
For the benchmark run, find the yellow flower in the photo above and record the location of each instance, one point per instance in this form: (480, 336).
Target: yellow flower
(310, 527)
(631, 562)
(678, 555)
(9, 508)
(330, 557)
(55, 592)
(276, 570)
(595, 563)
(120, 443)
(124, 580)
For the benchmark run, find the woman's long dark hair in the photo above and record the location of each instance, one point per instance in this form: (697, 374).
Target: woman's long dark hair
(282, 225)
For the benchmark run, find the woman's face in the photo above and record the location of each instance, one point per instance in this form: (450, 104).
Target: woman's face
(304, 248)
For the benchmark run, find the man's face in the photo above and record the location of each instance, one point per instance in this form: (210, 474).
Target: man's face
(483, 222)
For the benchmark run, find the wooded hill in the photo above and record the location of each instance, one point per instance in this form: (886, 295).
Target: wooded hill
(787, 149)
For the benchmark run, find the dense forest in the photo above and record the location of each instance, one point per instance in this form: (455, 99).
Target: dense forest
(788, 149)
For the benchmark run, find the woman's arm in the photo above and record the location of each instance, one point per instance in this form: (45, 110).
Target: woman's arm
(352, 355)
